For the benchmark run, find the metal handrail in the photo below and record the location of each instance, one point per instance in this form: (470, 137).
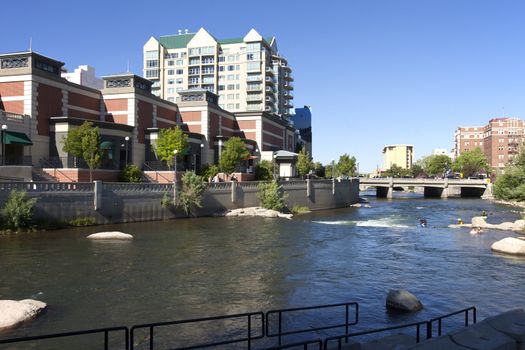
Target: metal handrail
(304, 344)
(280, 333)
(339, 338)
(72, 334)
(440, 319)
(248, 339)
(156, 172)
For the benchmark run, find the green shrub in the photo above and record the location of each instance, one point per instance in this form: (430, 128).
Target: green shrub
(166, 200)
(208, 171)
(190, 196)
(271, 195)
(83, 221)
(264, 171)
(18, 211)
(299, 209)
(131, 173)
(511, 185)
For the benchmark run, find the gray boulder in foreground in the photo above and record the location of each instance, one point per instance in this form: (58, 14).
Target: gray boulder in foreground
(402, 300)
(111, 235)
(13, 312)
(510, 245)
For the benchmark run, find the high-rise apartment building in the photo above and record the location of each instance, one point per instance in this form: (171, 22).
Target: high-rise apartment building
(247, 73)
(499, 140)
(400, 155)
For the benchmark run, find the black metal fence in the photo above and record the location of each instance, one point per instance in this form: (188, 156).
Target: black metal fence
(248, 328)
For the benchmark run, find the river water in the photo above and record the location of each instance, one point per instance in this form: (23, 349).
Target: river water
(213, 266)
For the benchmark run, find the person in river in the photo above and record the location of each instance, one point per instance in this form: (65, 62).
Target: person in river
(423, 222)
(460, 221)
(484, 214)
(475, 230)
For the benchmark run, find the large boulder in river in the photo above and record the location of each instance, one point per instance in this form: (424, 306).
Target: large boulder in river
(510, 245)
(402, 300)
(13, 312)
(111, 235)
(479, 221)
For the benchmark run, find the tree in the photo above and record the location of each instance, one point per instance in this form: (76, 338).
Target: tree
(471, 162)
(84, 142)
(304, 163)
(18, 210)
(346, 165)
(396, 171)
(264, 171)
(417, 170)
(511, 184)
(234, 151)
(271, 195)
(190, 197)
(437, 164)
(170, 140)
(319, 169)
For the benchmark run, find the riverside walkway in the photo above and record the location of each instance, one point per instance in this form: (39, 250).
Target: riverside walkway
(432, 187)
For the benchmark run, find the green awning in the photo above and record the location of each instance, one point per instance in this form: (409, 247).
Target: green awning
(106, 145)
(16, 138)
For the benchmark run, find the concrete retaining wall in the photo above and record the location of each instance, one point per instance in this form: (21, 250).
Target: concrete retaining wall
(122, 202)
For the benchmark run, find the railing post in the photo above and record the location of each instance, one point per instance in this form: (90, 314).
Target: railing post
(97, 201)
(333, 186)
(234, 191)
(308, 188)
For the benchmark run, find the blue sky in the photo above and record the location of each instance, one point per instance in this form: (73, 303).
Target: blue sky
(375, 72)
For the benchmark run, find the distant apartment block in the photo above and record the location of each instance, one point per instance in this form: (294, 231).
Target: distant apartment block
(400, 155)
(499, 140)
(83, 75)
(247, 73)
(302, 121)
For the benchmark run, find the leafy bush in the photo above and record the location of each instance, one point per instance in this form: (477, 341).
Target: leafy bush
(511, 185)
(190, 197)
(271, 195)
(83, 221)
(166, 200)
(18, 211)
(208, 171)
(264, 171)
(299, 209)
(131, 173)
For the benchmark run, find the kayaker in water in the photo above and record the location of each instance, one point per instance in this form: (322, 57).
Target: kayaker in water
(423, 222)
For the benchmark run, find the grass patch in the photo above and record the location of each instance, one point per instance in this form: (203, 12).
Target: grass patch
(83, 221)
(299, 209)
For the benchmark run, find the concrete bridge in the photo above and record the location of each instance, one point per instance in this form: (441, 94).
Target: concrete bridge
(432, 187)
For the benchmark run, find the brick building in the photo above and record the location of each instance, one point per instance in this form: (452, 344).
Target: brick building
(499, 140)
(39, 107)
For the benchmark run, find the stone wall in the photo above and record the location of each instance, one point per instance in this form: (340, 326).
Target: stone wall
(122, 202)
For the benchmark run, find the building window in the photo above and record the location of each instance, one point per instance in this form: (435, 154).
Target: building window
(253, 47)
(237, 105)
(253, 66)
(152, 73)
(222, 59)
(171, 81)
(152, 55)
(249, 57)
(179, 62)
(171, 71)
(171, 90)
(231, 106)
(231, 86)
(194, 61)
(221, 68)
(171, 99)
(152, 63)
(194, 70)
(221, 87)
(194, 80)
(180, 71)
(171, 62)
(221, 77)
(178, 89)
(231, 68)
(179, 81)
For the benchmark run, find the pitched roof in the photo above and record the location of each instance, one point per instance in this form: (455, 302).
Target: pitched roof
(175, 41)
(180, 41)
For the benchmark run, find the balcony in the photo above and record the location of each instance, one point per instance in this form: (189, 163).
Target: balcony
(288, 95)
(254, 87)
(254, 107)
(269, 99)
(288, 104)
(254, 97)
(269, 80)
(269, 70)
(288, 77)
(256, 78)
(288, 86)
(270, 89)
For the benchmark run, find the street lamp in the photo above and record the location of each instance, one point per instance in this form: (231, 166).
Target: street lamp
(274, 166)
(195, 159)
(175, 165)
(4, 128)
(333, 168)
(357, 169)
(127, 141)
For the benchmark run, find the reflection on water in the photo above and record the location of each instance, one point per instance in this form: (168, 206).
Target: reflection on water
(210, 266)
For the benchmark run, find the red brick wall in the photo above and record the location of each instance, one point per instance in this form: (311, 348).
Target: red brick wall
(214, 124)
(120, 104)
(191, 116)
(250, 135)
(165, 113)
(15, 88)
(276, 141)
(246, 124)
(83, 101)
(228, 123)
(272, 128)
(13, 106)
(49, 105)
(82, 175)
(145, 119)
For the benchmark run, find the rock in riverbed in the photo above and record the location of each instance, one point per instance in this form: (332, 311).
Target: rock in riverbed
(479, 221)
(13, 312)
(510, 245)
(258, 211)
(402, 300)
(112, 235)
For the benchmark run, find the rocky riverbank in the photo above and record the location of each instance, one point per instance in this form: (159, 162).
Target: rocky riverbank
(257, 211)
